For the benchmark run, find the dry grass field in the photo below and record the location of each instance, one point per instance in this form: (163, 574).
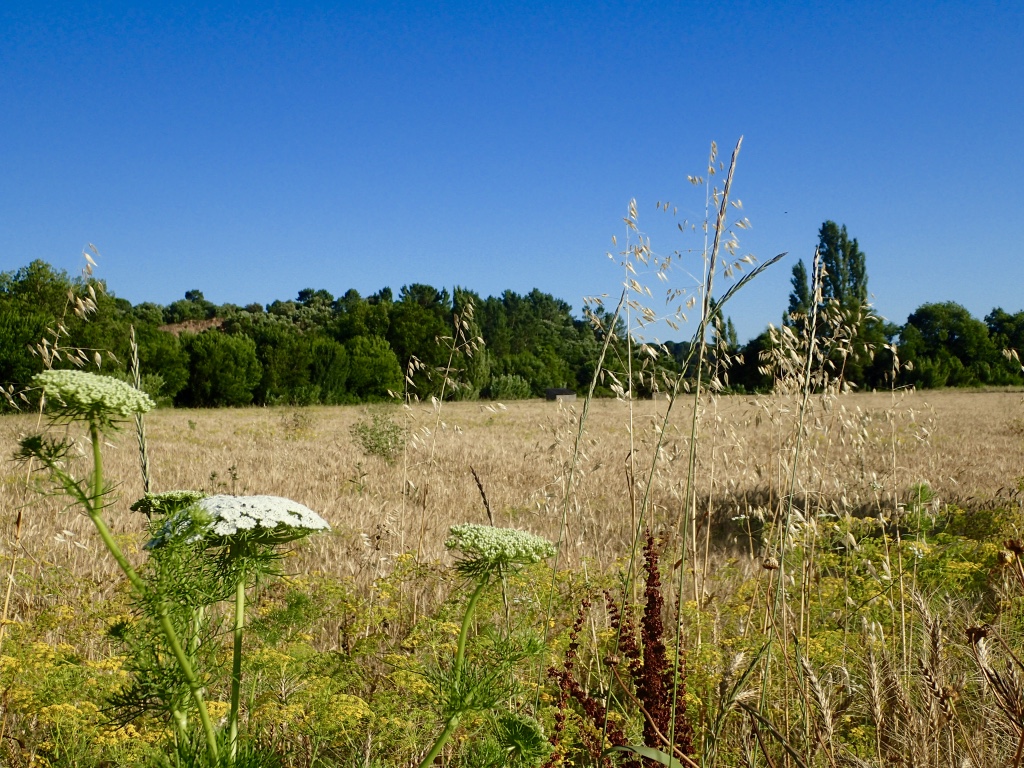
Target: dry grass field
(890, 542)
(863, 453)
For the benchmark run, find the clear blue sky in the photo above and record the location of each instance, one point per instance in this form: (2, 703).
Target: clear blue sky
(251, 150)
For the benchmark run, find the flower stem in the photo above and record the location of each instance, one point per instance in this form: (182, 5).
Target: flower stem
(236, 665)
(460, 663)
(94, 508)
(449, 729)
(467, 620)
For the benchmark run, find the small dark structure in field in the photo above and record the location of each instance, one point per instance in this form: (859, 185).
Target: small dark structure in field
(560, 395)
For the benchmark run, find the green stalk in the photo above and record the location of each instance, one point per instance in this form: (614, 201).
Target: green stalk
(93, 508)
(460, 651)
(449, 729)
(460, 662)
(236, 665)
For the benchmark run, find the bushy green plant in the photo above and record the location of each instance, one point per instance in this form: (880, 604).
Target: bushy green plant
(202, 551)
(481, 685)
(379, 436)
(510, 387)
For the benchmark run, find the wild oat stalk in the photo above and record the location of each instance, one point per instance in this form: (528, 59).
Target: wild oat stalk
(50, 349)
(140, 424)
(711, 311)
(577, 448)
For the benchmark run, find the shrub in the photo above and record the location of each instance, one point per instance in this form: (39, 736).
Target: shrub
(510, 387)
(379, 436)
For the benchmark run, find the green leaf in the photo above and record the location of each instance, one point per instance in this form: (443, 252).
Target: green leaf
(651, 754)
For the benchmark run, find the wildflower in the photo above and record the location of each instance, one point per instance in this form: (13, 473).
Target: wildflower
(488, 548)
(270, 519)
(89, 396)
(521, 738)
(232, 514)
(166, 503)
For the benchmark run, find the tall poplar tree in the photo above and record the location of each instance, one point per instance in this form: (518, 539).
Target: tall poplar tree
(845, 274)
(844, 286)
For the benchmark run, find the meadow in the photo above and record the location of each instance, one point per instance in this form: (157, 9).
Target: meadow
(899, 512)
(812, 578)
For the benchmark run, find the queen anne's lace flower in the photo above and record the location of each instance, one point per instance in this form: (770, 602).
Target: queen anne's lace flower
(236, 513)
(272, 519)
(279, 519)
(166, 503)
(487, 548)
(79, 394)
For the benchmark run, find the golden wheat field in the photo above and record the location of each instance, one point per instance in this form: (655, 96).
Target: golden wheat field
(860, 452)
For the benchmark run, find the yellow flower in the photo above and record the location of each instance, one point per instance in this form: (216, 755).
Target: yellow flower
(59, 714)
(217, 709)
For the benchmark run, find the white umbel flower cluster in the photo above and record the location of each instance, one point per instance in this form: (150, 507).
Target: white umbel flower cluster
(166, 503)
(86, 395)
(270, 519)
(231, 514)
(487, 547)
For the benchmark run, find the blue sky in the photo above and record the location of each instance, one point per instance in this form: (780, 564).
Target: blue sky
(251, 150)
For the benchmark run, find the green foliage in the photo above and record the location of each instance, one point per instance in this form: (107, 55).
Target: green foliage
(379, 436)
(18, 332)
(329, 370)
(223, 370)
(845, 271)
(800, 298)
(946, 346)
(510, 387)
(162, 354)
(193, 307)
(374, 373)
(318, 349)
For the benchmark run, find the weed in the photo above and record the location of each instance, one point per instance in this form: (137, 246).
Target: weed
(379, 436)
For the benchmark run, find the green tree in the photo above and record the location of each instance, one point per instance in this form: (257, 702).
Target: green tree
(374, 371)
(420, 317)
(329, 369)
(161, 353)
(37, 301)
(852, 336)
(748, 373)
(1006, 330)
(223, 369)
(193, 307)
(356, 316)
(844, 270)
(800, 298)
(947, 346)
(473, 359)
(19, 332)
(1007, 333)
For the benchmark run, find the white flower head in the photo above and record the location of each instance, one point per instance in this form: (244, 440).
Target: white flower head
(267, 519)
(281, 519)
(166, 503)
(83, 395)
(487, 548)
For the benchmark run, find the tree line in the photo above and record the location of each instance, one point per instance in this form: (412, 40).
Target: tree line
(429, 342)
(316, 348)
